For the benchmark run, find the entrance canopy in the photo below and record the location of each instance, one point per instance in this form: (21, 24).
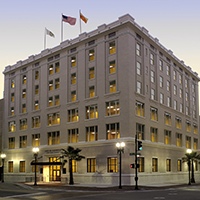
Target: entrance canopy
(46, 163)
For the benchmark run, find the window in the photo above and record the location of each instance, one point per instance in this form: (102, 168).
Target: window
(51, 85)
(73, 96)
(194, 113)
(36, 89)
(174, 75)
(36, 105)
(181, 93)
(91, 73)
(193, 88)
(175, 90)
(175, 105)
(167, 119)
(24, 79)
(139, 87)
(181, 107)
(141, 164)
(73, 135)
(22, 166)
(24, 93)
(151, 59)
(36, 140)
(168, 101)
(188, 142)
(112, 68)
(112, 108)
(12, 83)
(23, 124)
(179, 165)
(193, 101)
(154, 114)
(23, 141)
(195, 143)
(50, 101)
(186, 110)
(10, 166)
(73, 78)
(139, 72)
(186, 83)
(161, 65)
(57, 83)
(140, 131)
(37, 167)
(50, 69)
(139, 109)
(57, 100)
(36, 75)
(167, 135)
(53, 119)
(91, 133)
(112, 86)
(168, 86)
(186, 96)
(195, 128)
(91, 55)
(112, 164)
(178, 140)
(112, 48)
(180, 79)
(161, 98)
(11, 143)
(57, 67)
(112, 131)
(73, 115)
(138, 49)
(54, 138)
(153, 134)
(11, 126)
(74, 166)
(154, 164)
(12, 97)
(153, 94)
(91, 91)
(91, 165)
(73, 61)
(178, 122)
(188, 126)
(168, 70)
(161, 81)
(152, 76)
(12, 111)
(168, 165)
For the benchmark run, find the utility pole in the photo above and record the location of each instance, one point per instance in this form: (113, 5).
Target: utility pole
(136, 165)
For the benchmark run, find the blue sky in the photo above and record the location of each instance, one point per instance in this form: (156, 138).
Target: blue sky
(176, 23)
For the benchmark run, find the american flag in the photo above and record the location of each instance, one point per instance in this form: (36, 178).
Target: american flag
(70, 20)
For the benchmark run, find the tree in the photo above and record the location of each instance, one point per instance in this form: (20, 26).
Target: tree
(191, 156)
(71, 154)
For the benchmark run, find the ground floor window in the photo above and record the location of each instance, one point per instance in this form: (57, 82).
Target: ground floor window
(168, 165)
(10, 166)
(154, 164)
(179, 166)
(74, 166)
(112, 164)
(22, 166)
(141, 164)
(91, 165)
(54, 170)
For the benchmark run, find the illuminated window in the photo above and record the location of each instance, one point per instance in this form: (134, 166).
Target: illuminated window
(178, 140)
(91, 165)
(36, 89)
(23, 141)
(167, 135)
(24, 93)
(174, 75)
(36, 122)
(161, 81)
(168, 165)
(139, 72)
(180, 79)
(10, 166)
(153, 134)
(195, 143)
(36, 140)
(53, 119)
(73, 61)
(112, 131)
(50, 101)
(151, 59)
(11, 126)
(152, 76)
(140, 131)
(112, 108)
(112, 68)
(112, 164)
(178, 122)
(36, 75)
(195, 128)
(11, 143)
(12, 111)
(36, 105)
(22, 166)
(141, 164)
(112, 48)
(24, 79)
(175, 105)
(154, 164)
(186, 96)
(12, 97)
(139, 109)
(73, 115)
(73, 96)
(57, 100)
(154, 114)
(188, 142)
(138, 49)
(50, 69)
(168, 70)
(188, 126)
(54, 138)
(91, 112)
(12, 83)
(23, 124)
(161, 98)
(175, 90)
(37, 167)
(139, 87)
(91, 55)
(168, 86)
(161, 65)
(51, 85)
(91, 92)
(74, 166)
(73, 136)
(91, 73)
(112, 86)
(179, 165)
(167, 119)
(91, 133)
(73, 78)
(57, 83)
(57, 67)
(181, 93)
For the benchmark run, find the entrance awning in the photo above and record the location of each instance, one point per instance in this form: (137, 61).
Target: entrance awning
(46, 163)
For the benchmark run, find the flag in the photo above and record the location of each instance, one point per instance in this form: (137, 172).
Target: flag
(83, 18)
(48, 32)
(70, 20)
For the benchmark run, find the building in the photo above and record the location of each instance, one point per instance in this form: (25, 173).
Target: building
(102, 87)
(1, 122)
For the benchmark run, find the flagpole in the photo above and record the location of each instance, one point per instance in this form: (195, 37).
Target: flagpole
(61, 30)
(80, 20)
(45, 38)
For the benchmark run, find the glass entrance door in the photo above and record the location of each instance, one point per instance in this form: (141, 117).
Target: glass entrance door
(54, 170)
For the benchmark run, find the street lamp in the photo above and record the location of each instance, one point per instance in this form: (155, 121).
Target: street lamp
(189, 151)
(35, 151)
(3, 158)
(120, 150)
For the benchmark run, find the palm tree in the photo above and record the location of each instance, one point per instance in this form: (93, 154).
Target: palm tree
(191, 156)
(71, 154)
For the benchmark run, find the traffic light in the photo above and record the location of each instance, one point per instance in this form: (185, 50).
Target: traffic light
(139, 145)
(132, 165)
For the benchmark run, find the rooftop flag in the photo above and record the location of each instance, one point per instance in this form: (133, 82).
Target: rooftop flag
(83, 18)
(70, 20)
(48, 32)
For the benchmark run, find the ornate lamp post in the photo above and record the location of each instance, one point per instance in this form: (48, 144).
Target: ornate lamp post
(189, 151)
(3, 158)
(120, 150)
(35, 151)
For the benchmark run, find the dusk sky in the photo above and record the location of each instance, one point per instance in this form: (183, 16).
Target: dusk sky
(176, 23)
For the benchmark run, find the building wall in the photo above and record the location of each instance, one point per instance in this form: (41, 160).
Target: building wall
(1, 122)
